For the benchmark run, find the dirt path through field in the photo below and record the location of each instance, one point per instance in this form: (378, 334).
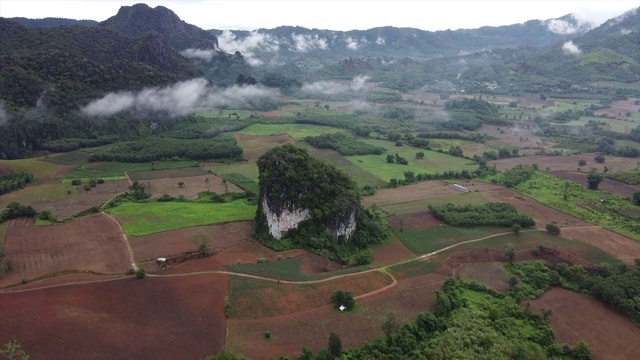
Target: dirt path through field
(125, 239)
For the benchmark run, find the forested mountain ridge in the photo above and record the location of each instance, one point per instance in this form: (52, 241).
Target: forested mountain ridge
(140, 19)
(52, 22)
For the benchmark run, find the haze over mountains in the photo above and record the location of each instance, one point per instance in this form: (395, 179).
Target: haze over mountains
(58, 66)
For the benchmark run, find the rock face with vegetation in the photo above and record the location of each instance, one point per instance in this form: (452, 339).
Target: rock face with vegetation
(295, 187)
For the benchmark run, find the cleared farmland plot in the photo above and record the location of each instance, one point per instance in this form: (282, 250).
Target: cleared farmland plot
(93, 243)
(147, 218)
(297, 131)
(191, 186)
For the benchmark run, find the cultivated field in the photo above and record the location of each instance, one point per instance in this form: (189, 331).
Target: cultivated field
(568, 163)
(139, 219)
(491, 274)
(613, 243)
(296, 131)
(578, 317)
(609, 185)
(159, 318)
(254, 146)
(192, 185)
(311, 328)
(93, 243)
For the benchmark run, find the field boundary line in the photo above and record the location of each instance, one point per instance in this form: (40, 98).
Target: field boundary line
(124, 239)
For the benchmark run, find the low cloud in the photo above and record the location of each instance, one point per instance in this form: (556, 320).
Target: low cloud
(4, 116)
(351, 43)
(335, 87)
(559, 26)
(179, 99)
(625, 31)
(248, 46)
(362, 107)
(305, 43)
(198, 54)
(380, 40)
(569, 48)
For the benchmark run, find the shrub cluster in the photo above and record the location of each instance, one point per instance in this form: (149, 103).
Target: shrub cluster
(491, 214)
(344, 144)
(14, 181)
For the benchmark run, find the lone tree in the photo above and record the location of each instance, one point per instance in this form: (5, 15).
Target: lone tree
(593, 179)
(343, 298)
(582, 163)
(599, 159)
(181, 184)
(516, 228)
(335, 345)
(511, 253)
(636, 198)
(552, 229)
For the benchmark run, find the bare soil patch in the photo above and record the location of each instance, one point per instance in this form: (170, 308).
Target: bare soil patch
(417, 220)
(253, 299)
(619, 246)
(418, 191)
(567, 163)
(69, 206)
(618, 109)
(491, 274)
(93, 243)
(542, 214)
(392, 252)
(609, 185)
(577, 317)
(255, 146)
(311, 328)
(154, 318)
(511, 136)
(316, 264)
(192, 185)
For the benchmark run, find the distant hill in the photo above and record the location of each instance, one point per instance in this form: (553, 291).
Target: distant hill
(52, 22)
(140, 19)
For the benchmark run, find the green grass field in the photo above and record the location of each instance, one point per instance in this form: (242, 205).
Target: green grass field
(167, 173)
(471, 198)
(36, 167)
(248, 169)
(424, 241)
(139, 219)
(433, 162)
(118, 170)
(598, 207)
(617, 125)
(69, 158)
(297, 131)
(415, 268)
(469, 148)
(45, 192)
(242, 181)
(288, 269)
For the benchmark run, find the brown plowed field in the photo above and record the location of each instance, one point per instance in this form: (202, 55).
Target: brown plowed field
(418, 191)
(230, 242)
(542, 214)
(92, 243)
(609, 185)
(83, 200)
(578, 317)
(491, 274)
(393, 251)
(619, 246)
(154, 318)
(416, 220)
(311, 328)
(255, 146)
(252, 298)
(618, 109)
(192, 186)
(568, 163)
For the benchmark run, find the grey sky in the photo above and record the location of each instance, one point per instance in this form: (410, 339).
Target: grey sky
(334, 14)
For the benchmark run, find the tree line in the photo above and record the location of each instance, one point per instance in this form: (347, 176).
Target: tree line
(14, 181)
(491, 214)
(344, 144)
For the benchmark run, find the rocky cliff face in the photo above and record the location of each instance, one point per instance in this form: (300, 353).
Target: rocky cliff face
(280, 223)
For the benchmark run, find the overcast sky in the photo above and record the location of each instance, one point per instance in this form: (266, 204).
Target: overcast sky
(334, 14)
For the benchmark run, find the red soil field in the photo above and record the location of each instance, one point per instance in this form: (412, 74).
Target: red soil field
(93, 243)
(542, 214)
(491, 274)
(311, 328)
(568, 163)
(255, 146)
(272, 299)
(154, 318)
(416, 220)
(393, 251)
(618, 109)
(609, 185)
(192, 186)
(619, 246)
(579, 317)
(418, 191)
(82, 200)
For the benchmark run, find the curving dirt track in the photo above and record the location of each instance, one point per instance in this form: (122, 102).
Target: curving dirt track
(579, 317)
